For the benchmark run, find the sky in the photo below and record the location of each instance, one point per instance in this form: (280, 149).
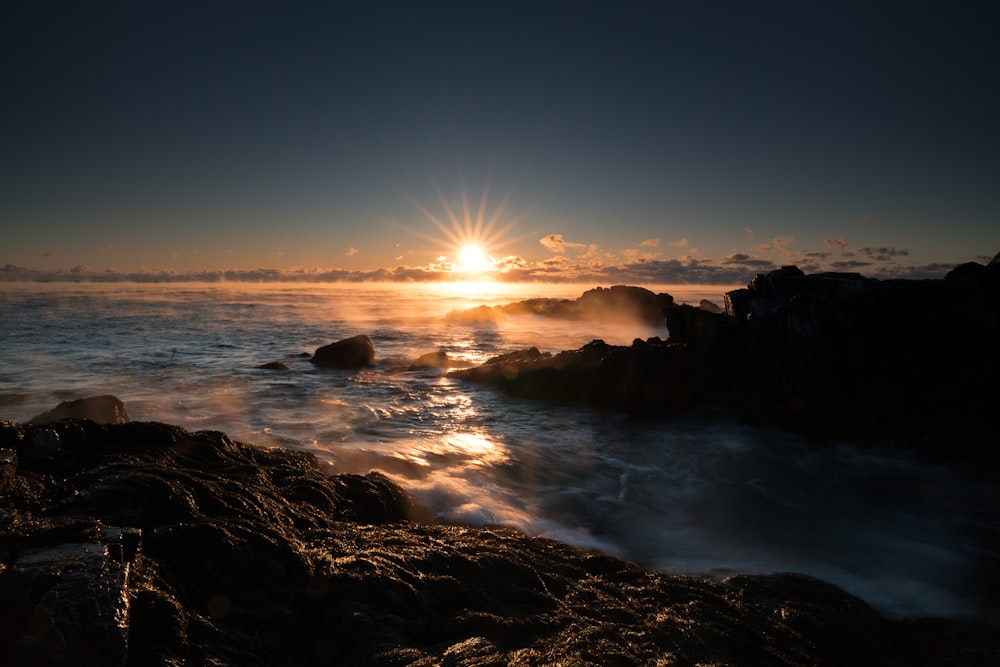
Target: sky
(627, 142)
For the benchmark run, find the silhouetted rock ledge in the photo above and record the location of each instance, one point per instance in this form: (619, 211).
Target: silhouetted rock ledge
(831, 354)
(621, 303)
(142, 544)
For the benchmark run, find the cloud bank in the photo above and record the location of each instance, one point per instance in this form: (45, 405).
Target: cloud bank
(571, 261)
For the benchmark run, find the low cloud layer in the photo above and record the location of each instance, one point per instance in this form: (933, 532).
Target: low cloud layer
(571, 261)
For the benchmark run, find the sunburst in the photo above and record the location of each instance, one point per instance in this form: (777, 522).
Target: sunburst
(472, 237)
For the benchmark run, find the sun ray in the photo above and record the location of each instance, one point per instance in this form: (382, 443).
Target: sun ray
(469, 233)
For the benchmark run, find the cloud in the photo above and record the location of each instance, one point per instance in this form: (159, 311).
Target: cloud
(884, 253)
(652, 243)
(553, 242)
(840, 244)
(556, 243)
(743, 259)
(782, 242)
(683, 243)
(351, 252)
(749, 232)
(47, 253)
(849, 264)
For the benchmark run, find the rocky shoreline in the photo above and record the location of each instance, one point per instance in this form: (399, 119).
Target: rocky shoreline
(126, 543)
(901, 362)
(143, 544)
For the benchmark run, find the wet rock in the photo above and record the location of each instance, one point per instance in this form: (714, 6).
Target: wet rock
(830, 354)
(197, 549)
(437, 359)
(350, 353)
(274, 366)
(101, 409)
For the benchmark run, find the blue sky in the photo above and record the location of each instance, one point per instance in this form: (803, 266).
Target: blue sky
(636, 142)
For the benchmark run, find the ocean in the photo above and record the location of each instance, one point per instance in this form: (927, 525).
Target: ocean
(698, 495)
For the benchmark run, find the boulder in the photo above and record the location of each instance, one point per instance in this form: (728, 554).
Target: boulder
(437, 359)
(350, 353)
(273, 366)
(101, 409)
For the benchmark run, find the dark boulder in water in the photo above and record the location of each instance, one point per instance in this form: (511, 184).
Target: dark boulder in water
(274, 366)
(104, 409)
(350, 353)
(438, 359)
(142, 543)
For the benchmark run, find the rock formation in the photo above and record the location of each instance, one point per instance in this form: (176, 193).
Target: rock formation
(141, 543)
(832, 354)
(350, 353)
(621, 303)
(101, 409)
(438, 359)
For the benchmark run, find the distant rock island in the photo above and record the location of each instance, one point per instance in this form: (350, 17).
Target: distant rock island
(621, 303)
(832, 354)
(143, 544)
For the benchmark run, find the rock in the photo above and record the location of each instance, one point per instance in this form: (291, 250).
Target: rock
(273, 366)
(829, 354)
(709, 306)
(437, 359)
(621, 303)
(79, 576)
(350, 353)
(480, 315)
(197, 549)
(101, 409)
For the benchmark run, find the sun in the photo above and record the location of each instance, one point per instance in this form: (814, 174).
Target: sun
(471, 234)
(473, 259)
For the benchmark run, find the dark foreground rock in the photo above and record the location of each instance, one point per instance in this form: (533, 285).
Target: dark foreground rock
(101, 409)
(830, 354)
(351, 353)
(143, 544)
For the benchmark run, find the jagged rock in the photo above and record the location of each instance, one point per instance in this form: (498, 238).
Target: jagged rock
(200, 550)
(101, 409)
(350, 353)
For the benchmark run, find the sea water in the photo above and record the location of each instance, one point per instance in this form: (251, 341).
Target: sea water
(702, 494)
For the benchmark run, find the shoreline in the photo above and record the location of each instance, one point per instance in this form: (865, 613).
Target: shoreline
(188, 543)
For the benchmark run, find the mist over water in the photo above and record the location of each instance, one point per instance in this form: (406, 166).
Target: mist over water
(698, 495)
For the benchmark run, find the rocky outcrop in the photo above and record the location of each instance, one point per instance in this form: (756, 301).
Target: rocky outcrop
(101, 409)
(141, 543)
(350, 353)
(832, 354)
(621, 303)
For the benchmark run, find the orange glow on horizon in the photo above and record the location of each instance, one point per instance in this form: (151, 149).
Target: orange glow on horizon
(470, 233)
